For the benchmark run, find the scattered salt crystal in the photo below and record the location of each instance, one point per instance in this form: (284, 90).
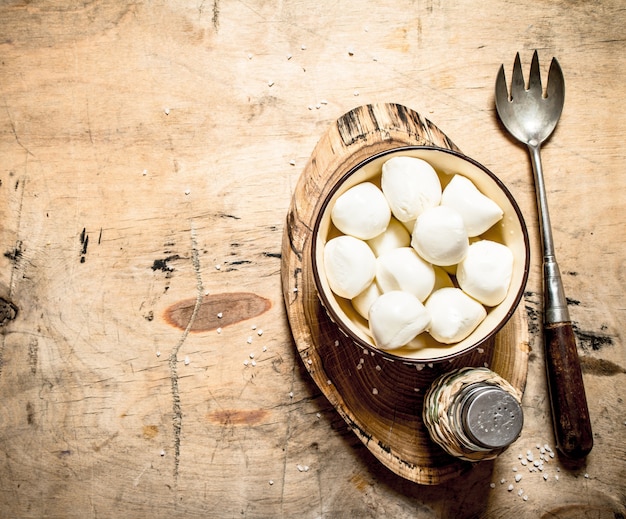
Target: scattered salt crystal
(520, 492)
(586, 475)
(525, 497)
(270, 83)
(187, 191)
(166, 110)
(524, 462)
(289, 56)
(290, 394)
(245, 362)
(318, 106)
(356, 93)
(374, 391)
(329, 382)
(350, 51)
(259, 333)
(510, 487)
(292, 162)
(309, 361)
(249, 56)
(220, 315)
(249, 340)
(219, 330)
(310, 107)
(218, 267)
(318, 415)
(480, 350)
(271, 482)
(145, 172)
(162, 452)
(485, 364)
(253, 327)
(303, 47)
(556, 476)
(359, 366)
(158, 353)
(295, 289)
(187, 360)
(430, 364)
(492, 485)
(336, 343)
(514, 469)
(378, 368)
(252, 355)
(264, 348)
(253, 363)
(323, 102)
(545, 477)
(518, 478)
(502, 481)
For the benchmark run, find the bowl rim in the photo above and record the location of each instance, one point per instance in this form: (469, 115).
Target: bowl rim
(337, 319)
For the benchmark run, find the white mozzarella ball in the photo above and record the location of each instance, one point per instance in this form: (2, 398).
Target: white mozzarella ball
(454, 315)
(350, 265)
(396, 318)
(362, 211)
(396, 235)
(363, 301)
(403, 269)
(479, 212)
(440, 237)
(485, 272)
(410, 185)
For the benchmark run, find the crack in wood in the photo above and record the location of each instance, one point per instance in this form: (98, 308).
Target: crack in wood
(177, 418)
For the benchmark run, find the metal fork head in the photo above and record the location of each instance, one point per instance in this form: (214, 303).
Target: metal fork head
(528, 114)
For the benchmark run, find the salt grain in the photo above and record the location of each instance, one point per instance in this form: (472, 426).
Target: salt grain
(220, 315)
(187, 361)
(162, 452)
(290, 394)
(271, 482)
(510, 488)
(525, 497)
(545, 477)
(252, 355)
(245, 362)
(158, 353)
(303, 47)
(249, 340)
(219, 330)
(518, 478)
(492, 485)
(270, 83)
(289, 56)
(253, 363)
(259, 332)
(374, 391)
(292, 162)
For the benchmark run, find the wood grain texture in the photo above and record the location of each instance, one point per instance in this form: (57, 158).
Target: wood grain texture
(381, 400)
(135, 133)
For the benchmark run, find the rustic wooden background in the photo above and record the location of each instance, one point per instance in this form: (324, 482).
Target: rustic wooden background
(149, 152)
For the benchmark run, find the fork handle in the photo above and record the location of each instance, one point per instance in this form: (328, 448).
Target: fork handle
(570, 414)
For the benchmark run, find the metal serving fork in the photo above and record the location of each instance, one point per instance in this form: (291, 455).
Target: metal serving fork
(531, 117)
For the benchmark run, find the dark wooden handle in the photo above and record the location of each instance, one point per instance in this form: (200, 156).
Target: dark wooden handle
(570, 413)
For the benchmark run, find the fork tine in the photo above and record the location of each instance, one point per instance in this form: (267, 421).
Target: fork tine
(534, 79)
(517, 82)
(501, 88)
(556, 83)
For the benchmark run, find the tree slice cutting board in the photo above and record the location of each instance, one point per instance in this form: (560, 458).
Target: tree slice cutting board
(380, 400)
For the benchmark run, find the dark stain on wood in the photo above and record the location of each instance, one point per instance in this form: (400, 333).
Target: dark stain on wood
(600, 367)
(591, 340)
(162, 264)
(15, 254)
(84, 241)
(217, 310)
(8, 311)
(238, 416)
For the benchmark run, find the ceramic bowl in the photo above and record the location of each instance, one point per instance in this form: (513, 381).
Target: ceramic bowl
(510, 230)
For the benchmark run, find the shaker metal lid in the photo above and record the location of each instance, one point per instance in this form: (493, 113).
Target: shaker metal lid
(492, 418)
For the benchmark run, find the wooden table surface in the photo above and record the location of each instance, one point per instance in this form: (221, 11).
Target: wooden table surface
(149, 152)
